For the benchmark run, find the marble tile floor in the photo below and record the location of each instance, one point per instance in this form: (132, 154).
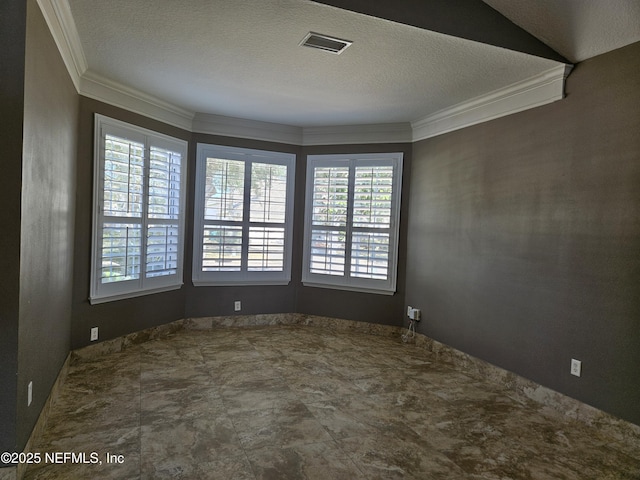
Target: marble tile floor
(299, 402)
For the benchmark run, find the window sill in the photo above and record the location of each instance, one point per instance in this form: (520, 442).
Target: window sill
(239, 283)
(350, 288)
(139, 293)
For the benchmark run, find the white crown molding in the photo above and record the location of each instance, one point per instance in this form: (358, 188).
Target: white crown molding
(107, 91)
(544, 88)
(60, 21)
(59, 18)
(355, 134)
(244, 128)
(541, 89)
(307, 136)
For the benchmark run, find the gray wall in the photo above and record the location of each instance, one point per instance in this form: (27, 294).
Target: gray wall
(524, 237)
(47, 223)
(125, 316)
(470, 19)
(12, 38)
(121, 317)
(118, 318)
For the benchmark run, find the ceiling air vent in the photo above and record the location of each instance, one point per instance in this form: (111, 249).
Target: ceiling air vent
(325, 42)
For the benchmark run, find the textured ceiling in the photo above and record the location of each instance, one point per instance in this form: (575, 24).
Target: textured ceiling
(242, 59)
(577, 29)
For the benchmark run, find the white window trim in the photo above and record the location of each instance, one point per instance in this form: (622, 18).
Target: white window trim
(243, 277)
(99, 292)
(346, 282)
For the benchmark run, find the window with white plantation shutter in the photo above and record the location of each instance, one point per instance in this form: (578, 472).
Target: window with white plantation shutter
(138, 211)
(329, 217)
(352, 221)
(243, 216)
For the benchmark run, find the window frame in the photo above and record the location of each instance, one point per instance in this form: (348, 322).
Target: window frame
(347, 281)
(244, 276)
(112, 291)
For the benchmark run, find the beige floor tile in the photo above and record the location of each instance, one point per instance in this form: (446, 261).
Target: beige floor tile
(295, 402)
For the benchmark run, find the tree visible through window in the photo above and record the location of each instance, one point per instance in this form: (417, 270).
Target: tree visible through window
(243, 216)
(139, 211)
(351, 221)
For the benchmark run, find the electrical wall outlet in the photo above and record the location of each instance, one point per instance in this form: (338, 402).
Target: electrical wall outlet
(413, 313)
(29, 393)
(94, 334)
(237, 305)
(576, 367)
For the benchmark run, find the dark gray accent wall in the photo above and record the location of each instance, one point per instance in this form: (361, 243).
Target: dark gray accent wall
(47, 222)
(13, 14)
(113, 319)
(366, 307)
(125, 316)
(524, 237)
(470, 19)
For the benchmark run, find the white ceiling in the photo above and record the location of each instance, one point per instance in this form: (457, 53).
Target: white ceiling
(576, 29)
(242, 59)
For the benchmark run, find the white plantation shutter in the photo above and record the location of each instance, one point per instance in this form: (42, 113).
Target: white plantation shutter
(329, 220)
(221, 248)
(122, 187)
(328, 252)
(267, 216)
(352, 221)
(372, 222)
(268, 193)
(163, 229)
(138, 211)
(266, 249)
(243, 216)
(223, 211)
